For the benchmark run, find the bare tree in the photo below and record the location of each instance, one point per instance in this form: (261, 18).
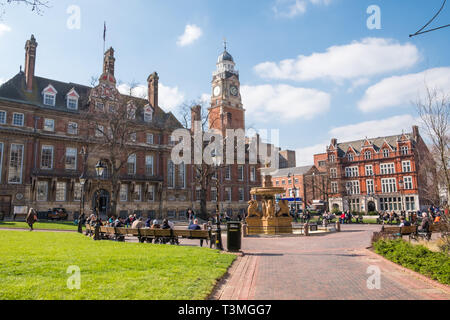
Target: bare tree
(36, 5)
(203, 174)
(434, 111)
(111, 126)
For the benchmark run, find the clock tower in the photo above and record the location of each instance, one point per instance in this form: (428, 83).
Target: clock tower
(226, 111)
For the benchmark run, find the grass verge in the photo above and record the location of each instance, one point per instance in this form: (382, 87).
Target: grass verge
(60, 225)
(33, 266)
(434, 265)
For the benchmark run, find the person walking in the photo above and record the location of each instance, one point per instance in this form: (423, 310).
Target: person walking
(31, 218)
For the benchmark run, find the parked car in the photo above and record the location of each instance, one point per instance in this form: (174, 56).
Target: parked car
(58, 214)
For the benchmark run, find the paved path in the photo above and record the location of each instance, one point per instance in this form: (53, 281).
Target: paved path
(320, 267)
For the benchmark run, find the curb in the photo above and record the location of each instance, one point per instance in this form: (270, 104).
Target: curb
(45, 230)
(222, 281)
(434, 283)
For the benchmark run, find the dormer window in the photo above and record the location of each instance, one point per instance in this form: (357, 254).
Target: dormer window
(49, 95)
(72, 100)
(350, 157)
(385, 153)
(148, 114)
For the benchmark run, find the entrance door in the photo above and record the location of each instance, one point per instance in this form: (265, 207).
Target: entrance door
(371, 206)
(5, 205)
(103, 202)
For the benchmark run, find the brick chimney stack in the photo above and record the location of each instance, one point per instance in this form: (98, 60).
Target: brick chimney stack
(196, 115)
(416, 132)
(30, 62)
(153, 81)
(109, 62)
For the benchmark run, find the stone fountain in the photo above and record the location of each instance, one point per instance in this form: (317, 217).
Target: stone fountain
(269, 220)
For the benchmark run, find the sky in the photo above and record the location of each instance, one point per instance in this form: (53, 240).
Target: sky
(313, 69)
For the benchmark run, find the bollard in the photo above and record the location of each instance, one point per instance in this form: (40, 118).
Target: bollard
(338, 226)
(244, 231)
(306, 229)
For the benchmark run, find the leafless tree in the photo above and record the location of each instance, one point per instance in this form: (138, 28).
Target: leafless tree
(111, 126)
(36, 5)
(203, 174)
(434, 111)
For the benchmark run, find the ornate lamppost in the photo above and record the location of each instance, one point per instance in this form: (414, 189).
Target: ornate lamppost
(217, 160)
(295, 196)
(99, 169)
(81, 216)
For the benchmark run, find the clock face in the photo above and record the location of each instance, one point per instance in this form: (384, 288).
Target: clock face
(234, 91)
(217, 91)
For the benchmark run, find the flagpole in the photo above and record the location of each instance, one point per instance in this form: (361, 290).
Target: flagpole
(104, 38)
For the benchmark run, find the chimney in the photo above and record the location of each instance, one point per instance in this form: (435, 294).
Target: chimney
(196, 115)
(416, 132)
(153, 81)
(334, 142)
(30, 62)
(109, 62)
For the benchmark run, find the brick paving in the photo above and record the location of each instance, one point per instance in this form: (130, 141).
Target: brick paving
(332, 267)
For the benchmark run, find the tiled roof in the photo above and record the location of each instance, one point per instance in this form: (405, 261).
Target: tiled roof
(376, 143)
(297, 171)
(15, 90)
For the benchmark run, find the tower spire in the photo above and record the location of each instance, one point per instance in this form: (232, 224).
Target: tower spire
(225, 43)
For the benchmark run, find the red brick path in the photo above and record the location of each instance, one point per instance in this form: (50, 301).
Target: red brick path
(332, 267)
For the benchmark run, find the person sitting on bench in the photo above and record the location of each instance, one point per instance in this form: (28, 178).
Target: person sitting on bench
(425, 226)
(404, 223)
(195, 226)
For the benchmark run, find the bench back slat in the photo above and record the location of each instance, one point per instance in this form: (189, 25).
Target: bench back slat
(121, 231)
(199, 234)
(147, 232)
(163, 233)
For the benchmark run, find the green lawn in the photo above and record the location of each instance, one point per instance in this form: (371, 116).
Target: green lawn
(33, 266)
(60, 225)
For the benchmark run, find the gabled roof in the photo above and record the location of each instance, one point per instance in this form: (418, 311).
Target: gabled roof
(377, 143)
(297, 171)
(15, 90)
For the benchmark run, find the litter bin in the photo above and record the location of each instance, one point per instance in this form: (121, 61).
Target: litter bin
(234, 236)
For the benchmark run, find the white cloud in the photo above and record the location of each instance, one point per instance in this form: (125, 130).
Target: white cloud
(205, 98)
(4, 28)
(293, 8)
(191, 34)
(283, 102)
(305, 156)
(370, 129)
(404, 90)
(359, 59)
(2, 81)
(169, 97)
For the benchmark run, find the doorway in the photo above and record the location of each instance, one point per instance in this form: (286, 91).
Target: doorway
(371, 206)
(103, 202)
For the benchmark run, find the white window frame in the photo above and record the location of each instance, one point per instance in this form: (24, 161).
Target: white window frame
(49, 97)
(22, 123)
(77, 188)
(47, 147)
(333, 173)
(368, 155)
(150, 138)
(123, 192)
(74, 100)
(182, 175)
(3, 118)
(389, 185)
(369, 170)
(58, 184)
(39, 184)
(404, 150)
(408, 183)
(252, 174)
(406, 166)
(387, 168)
(170, 175)
(334, 187)
(76, 157)
(370, 186)
(149, 164)
(22, 148)
(132, 160)
(72, 126)
(241, 193)
(241, 173)
(139, 194)
(386, 153)
(228, 172)
(47, 127)
(228, 194)
(351, 172)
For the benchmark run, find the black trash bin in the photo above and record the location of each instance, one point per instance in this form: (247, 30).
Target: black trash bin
(234, 236)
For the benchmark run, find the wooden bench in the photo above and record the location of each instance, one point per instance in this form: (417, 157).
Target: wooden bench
(161, 236)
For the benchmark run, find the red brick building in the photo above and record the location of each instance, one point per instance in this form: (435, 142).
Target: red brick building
(40, 143)
(381, 174)
(303, 186)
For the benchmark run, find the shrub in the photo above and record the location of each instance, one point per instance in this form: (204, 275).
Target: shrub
(435, 265)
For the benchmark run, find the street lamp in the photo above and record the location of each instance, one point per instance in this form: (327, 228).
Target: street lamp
(295, 195)
(217, 160)
(99, 169)
(401, 183)
(81, 216)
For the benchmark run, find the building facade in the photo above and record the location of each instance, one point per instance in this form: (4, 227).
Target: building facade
(43, 131)
(381, 174)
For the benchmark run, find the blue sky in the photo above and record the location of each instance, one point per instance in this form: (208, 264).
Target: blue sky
(311, 68)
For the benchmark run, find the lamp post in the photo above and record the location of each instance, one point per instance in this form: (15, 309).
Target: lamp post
(401, 183)
(81, 216)
(217, 160)
(295, 195)
(99, 169)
